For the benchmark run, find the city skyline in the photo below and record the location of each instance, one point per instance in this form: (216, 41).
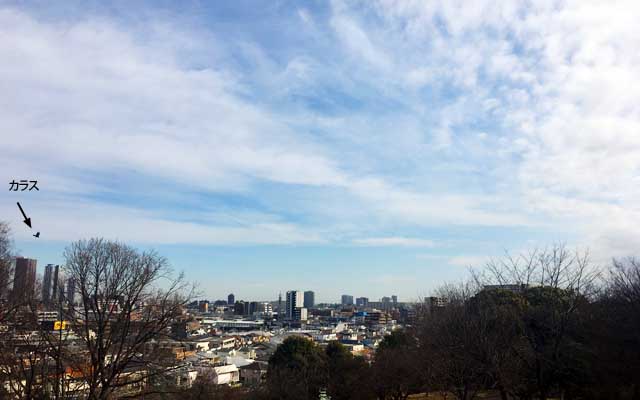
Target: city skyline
(53, 281)
(262, 147)
(322, 199)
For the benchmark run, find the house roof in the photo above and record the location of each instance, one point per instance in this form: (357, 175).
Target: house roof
(225, 369)
(257, 366)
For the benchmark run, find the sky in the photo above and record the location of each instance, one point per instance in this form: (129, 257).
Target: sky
(367, 147)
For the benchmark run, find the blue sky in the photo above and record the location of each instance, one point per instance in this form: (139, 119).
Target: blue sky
(370, 148)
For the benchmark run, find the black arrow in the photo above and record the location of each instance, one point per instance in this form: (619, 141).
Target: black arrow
(26, 219)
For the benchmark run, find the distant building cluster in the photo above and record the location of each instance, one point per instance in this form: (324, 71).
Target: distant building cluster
(385, 302)
(227, 341)
(55, 287)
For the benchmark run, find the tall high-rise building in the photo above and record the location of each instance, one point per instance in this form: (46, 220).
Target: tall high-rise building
(394, 299)
(231, 299)
(46, 283)
(24, 279)
(254, 307)
(71, 291)
(347, 300)
(309, 299)
(362, 301)
(57, 285)
(294, 300)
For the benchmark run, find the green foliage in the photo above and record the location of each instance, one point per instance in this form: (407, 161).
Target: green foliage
(297, 370)
(397, 340)
(349, 376)
(396, 368)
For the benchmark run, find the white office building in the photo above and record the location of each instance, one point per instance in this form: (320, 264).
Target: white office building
(295, 299)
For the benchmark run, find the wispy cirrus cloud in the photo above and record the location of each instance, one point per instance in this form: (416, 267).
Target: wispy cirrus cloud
(395, 241)
(550, 86)
(467, 261)
(434, 120)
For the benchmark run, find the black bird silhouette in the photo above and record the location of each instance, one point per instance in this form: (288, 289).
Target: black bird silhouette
(37, 235)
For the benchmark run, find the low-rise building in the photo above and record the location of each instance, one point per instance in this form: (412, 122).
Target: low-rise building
(225, 375)
(222, 343)
(254, 373)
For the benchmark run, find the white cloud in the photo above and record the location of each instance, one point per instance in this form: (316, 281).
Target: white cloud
(68, 222)
(89, 96)
(468, 261)
(395, 241)
(358, 43)
(552, 87)
(558, 79)
(306, 17)
(102, 100)
(425, 209)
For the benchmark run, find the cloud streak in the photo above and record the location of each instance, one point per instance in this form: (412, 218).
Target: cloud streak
(395, 241)
(411, 117)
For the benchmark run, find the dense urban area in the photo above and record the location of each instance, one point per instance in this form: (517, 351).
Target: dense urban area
(113, 322)
(320, 200)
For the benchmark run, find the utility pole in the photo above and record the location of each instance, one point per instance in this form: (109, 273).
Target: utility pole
(59, 373)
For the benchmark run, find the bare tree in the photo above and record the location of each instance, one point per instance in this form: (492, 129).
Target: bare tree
(617, 331)
(9, 368)
(127, 299)
(515, 327)
(27, 357)
(448, 337)
(6, 272)
(625, 281)
(554, 285)
(553, 267)
(25, 354)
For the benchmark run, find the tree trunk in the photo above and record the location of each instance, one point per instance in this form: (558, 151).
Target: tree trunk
(503, 393)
